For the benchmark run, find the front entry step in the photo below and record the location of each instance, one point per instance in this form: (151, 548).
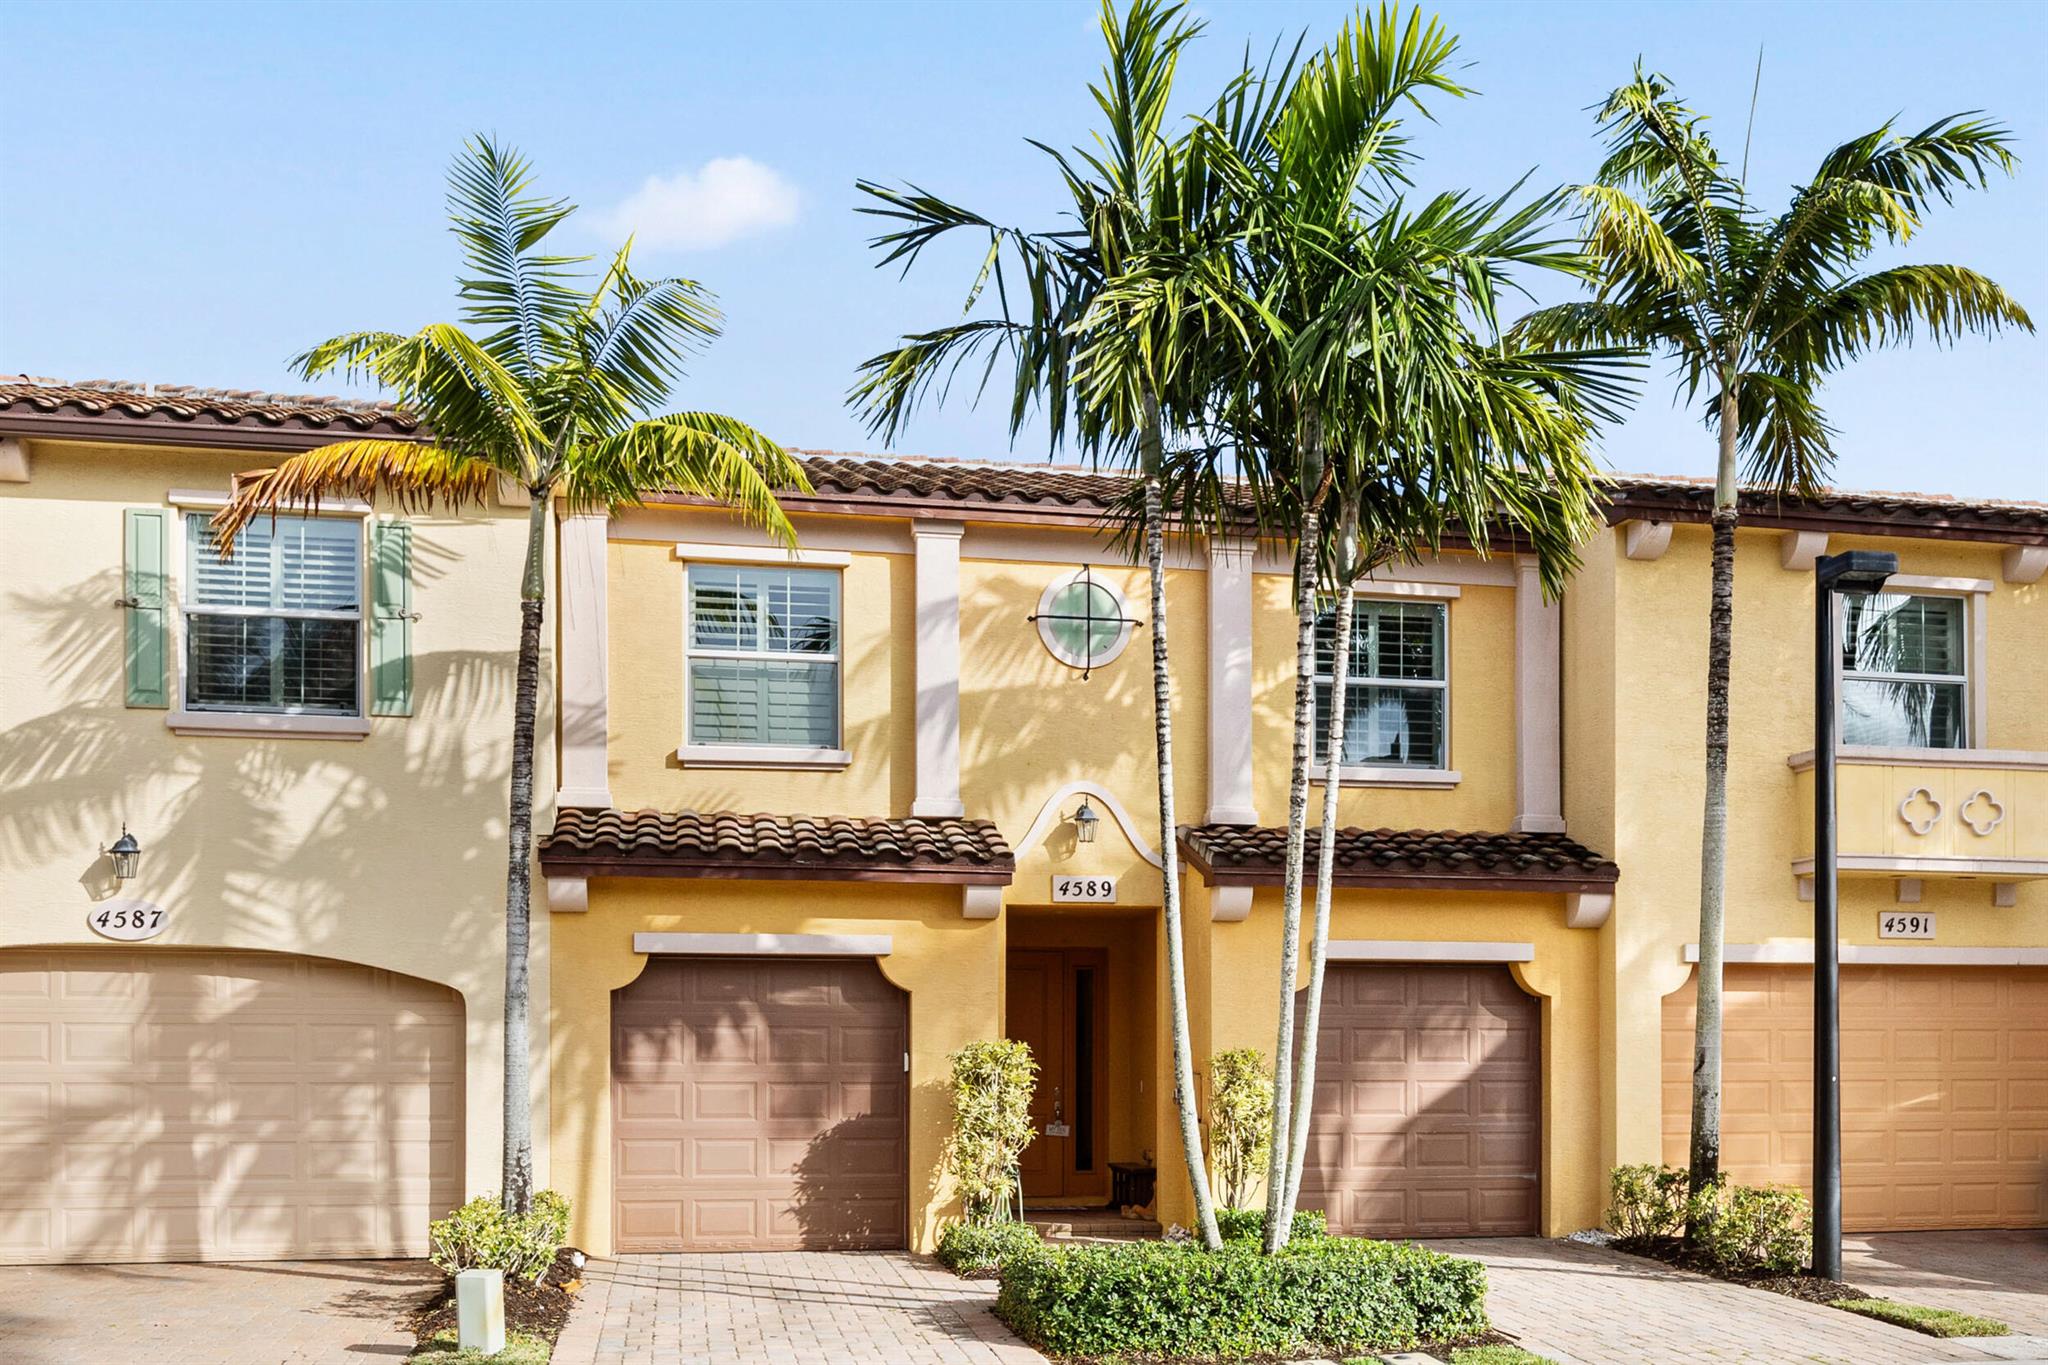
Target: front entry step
(1090, 1225)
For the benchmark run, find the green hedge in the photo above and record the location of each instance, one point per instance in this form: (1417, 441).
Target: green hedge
(1323, 1295)
(978, 1250)
(1249, 1225)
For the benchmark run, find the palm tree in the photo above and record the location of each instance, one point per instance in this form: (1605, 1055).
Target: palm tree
(1136, 191)
(1757, 310)
(544, 385)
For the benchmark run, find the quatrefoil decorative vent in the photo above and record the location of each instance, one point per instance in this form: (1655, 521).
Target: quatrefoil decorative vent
(1920, 810)
(1993, 814)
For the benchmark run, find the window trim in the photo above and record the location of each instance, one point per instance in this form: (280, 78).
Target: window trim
(180, 718)
(1975, 596)
(1126, 625)
(1441, 595)
(691, 753)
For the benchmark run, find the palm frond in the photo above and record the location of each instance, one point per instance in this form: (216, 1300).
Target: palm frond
(441, 375)
(698, 454)
(520, 294)
(630, 344)
(408, 473)
(1943, 303)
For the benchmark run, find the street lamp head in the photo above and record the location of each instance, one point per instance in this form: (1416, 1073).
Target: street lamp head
(1855, 571)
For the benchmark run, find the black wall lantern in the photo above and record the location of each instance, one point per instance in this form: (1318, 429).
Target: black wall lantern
(125, 854)
(1085, 821)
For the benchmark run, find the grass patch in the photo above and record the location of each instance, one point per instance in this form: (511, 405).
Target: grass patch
(520, 1349)
(1497, 1355)
(1935, 1322)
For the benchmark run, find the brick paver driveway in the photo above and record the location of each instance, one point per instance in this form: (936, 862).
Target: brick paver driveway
(2001, 1275)
(1589, 1306)
(248, 1313)
(788, 1308)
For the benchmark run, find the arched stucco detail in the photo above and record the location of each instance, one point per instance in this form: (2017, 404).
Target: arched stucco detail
(1049, 815)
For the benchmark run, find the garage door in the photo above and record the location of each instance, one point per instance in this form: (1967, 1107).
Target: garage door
(1426, 1115)
(1944, 1090)
(168, 1106)
(759, 1104)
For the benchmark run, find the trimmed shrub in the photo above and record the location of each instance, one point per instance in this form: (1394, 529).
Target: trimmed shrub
(1647, 1201)
(1249, 1225)
(1323, 1295)
(979, 1250)
(1744, 1228)
(481, 1236)
(992, 1085)
(1240, 1121)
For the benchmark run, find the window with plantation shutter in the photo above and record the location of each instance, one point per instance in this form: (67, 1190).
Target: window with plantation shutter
(1905, 678)
(277, 626)
(763, 656)
(1396, 691)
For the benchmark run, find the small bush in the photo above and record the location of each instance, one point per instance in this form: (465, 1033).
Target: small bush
(1323, 1295)
(1240, 1120)
(979, 1250)
(1935, 1322)
(992, 1085)
(1744, 1228)
(1647, 1201)
(1249, 1225)
(481, 1236)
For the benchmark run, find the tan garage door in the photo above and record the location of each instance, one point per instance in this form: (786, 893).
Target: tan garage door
(759, 1104)
(1426, 1118)
(1944, 1090)
(173, 1106)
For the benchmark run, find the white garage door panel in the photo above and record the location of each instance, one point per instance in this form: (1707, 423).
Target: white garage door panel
(169, 1105)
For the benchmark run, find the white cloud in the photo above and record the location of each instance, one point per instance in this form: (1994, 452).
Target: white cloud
(728, 198)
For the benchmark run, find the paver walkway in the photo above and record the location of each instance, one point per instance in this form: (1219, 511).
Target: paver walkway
(2001, 1275)
(244, 1313)
(1583, 1305)
(788, 1308)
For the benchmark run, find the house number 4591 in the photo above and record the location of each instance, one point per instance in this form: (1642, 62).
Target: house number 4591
(1098, 889)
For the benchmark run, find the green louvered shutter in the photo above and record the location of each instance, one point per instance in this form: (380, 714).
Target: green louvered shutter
(145, 536)
(391, 619)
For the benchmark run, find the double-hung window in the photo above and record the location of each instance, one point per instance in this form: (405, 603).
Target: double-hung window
(277, 626)
(763, 658)
(1905, 672)
(1396, 691)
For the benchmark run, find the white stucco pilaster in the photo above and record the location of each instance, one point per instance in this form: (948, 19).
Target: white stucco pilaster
(1539, 770)
(586, 719)
(1230, 686)
(936, 547)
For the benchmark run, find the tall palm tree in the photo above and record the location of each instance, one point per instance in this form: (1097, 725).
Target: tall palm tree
(545, 384)
(1757, 311)
(1137, 190)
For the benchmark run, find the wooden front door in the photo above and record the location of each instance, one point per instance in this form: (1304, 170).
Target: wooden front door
(1056, 1006)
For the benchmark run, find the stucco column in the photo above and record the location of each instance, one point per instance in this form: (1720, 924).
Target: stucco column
(586, 769)
(1230, 686)
(1539, 784)
(937, 546)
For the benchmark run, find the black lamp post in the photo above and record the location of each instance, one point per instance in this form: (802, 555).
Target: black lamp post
(1856, 571)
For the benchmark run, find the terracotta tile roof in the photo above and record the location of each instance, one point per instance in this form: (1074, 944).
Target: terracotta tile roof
(1669, 497)
(185, 414)
(649, 843)
(1240, 855)
(945, 481)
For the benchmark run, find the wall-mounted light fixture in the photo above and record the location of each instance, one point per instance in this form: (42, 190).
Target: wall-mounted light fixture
(125, 854)
(1085, 821)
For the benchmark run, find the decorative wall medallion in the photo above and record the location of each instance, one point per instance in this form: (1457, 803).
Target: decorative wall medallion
(1920, 810)
(1990, 812)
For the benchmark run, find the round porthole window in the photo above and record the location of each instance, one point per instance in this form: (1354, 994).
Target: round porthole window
(1083, 620)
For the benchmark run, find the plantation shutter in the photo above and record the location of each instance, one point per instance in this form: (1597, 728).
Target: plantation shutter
(391, 619)
(145, 536)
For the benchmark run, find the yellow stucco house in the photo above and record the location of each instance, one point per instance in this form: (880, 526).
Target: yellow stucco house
(817, 820)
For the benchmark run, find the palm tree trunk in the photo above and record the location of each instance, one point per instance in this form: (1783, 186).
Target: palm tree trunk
(1705, 1156)
(1277, 1178)
(518, 1173)
(1169, 847)
(1326, 868)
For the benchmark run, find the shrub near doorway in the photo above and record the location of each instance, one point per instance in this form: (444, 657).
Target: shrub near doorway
(1177, 1301)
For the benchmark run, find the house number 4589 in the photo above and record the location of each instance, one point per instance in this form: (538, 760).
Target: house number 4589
(1099, 889)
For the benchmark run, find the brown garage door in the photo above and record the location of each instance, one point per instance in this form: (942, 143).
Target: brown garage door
(759, 1104)
(1426, 1118)
(177, 1106)
(1944, 1090)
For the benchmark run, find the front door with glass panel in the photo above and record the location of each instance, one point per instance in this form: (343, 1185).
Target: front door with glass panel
(1056, 1007)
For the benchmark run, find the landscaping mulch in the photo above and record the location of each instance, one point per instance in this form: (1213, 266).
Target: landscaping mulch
(1442, 1349)
(538, 1310)
(1672, 1251)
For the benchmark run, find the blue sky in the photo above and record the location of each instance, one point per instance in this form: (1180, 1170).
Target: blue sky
(194, 193)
